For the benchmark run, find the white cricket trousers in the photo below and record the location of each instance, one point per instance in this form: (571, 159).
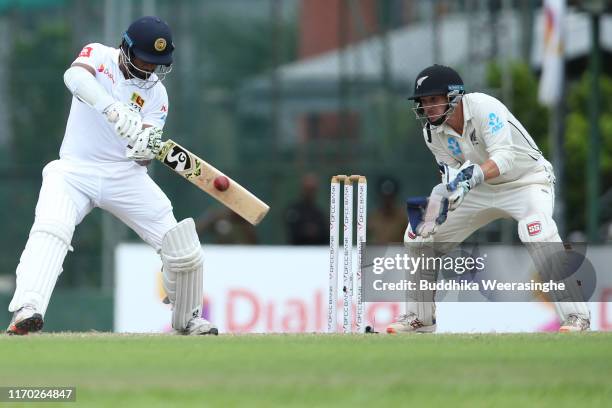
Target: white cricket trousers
(530, 201)
(70, 190)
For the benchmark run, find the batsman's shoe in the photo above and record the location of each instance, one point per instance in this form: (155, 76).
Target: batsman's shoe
(410, 323)
(25, 320)
(199, 326)
(575, 323)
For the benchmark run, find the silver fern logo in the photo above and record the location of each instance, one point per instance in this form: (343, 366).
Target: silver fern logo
(420, 81)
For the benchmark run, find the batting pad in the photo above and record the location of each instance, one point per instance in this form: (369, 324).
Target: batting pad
(422, 302)
(41, 261)
(539, 234)
(183, 265)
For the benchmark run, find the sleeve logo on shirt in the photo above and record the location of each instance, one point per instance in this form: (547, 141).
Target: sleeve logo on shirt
(495, 124)
(453, 146)
(534, 228)
(86, 52)
(164, 109)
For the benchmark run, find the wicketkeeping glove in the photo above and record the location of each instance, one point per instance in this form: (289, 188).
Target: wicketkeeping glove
(467, 177)
(426, 213)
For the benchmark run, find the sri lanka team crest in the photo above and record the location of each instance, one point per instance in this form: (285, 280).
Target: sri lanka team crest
(160, 44)
(136, 101)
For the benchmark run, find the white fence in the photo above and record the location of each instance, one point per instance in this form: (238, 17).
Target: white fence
(267, 289)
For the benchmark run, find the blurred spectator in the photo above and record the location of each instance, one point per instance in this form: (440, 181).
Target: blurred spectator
(223, 226)
(306, 223)
(389, 220)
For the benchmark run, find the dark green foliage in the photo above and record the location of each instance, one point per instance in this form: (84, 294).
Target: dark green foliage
(38, 94)
(577, 142)
(238, 48)
(534, 117)
(525, 106)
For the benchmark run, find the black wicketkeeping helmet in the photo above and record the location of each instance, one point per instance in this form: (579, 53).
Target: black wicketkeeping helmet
(437, 80)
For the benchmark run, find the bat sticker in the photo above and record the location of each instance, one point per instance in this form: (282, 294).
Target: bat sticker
(178, 159)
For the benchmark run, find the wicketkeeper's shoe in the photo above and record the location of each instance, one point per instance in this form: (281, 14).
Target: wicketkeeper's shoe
(25, 320)
(410, 323)
(575, 323)
(199, 326)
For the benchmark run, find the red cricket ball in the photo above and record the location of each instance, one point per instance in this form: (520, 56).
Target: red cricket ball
(221, 183)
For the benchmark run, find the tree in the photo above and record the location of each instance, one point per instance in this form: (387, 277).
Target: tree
(576, 147)
(535, 119)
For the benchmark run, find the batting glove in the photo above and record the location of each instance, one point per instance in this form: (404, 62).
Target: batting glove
(127, 121)
(146, 146)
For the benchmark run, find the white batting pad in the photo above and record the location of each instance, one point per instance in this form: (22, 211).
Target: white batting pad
(539, 233)
(183, 263)
(41, 261)
(422, 302)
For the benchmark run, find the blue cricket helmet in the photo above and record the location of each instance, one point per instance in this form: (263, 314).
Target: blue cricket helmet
(149, 38)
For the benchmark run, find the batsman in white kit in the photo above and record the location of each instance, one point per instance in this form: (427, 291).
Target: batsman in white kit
(491, 168)
(117, 115)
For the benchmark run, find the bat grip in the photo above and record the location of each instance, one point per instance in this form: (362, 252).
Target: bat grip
(156, 146)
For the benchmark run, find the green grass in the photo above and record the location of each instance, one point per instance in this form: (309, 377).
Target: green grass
(488, 370)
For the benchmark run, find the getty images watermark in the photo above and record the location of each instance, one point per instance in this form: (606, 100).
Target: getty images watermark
(468, 273)
(460, 264)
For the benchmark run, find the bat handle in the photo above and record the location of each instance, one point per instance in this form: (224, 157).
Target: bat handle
(156, 146)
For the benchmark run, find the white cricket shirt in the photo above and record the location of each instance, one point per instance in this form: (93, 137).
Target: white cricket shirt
(490, 131)
(89, 136)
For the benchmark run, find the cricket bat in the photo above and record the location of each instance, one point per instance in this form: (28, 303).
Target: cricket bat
(203, 175)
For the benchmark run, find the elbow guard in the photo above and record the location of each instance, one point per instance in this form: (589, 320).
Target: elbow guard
(84, 86)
